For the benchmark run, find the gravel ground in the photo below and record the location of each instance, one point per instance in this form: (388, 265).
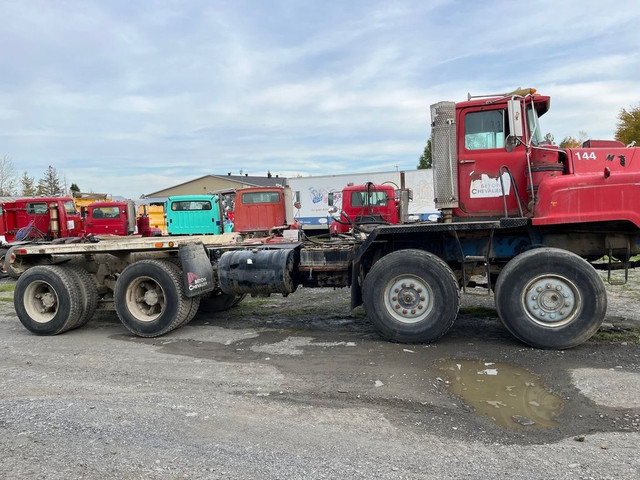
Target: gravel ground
(299, 387)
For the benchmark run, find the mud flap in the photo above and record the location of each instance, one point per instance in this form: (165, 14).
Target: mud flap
(197, 273)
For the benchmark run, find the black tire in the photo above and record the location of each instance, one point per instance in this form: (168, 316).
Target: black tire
(3, 254)
(88, 293)
(219, 302)
(550, 298)
(149, 298)
(411, 296)
(47, 300)
(194, 306)
(15, 269)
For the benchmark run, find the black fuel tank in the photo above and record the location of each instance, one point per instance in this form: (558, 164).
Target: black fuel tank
(257, 271)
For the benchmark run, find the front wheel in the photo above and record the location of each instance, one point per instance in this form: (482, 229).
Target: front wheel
(411, 296)
(550, 298)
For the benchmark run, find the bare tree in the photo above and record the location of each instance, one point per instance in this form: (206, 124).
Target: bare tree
(8, 178)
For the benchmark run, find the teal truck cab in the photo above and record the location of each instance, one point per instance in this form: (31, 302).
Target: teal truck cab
(193, 215)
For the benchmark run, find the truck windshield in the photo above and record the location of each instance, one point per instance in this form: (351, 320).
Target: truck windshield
(260, 197)
(360, 199)
(70, 207)
(190, 205)
(106, 212)
(534, 126)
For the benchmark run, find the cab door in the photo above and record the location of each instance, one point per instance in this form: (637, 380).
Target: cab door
(485, 169)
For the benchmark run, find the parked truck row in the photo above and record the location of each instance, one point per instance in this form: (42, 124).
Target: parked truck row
(535, 221)
(257, 211)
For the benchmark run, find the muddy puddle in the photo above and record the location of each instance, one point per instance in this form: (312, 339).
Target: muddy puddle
(510, 396)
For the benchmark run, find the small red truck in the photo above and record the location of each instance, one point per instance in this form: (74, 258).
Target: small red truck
(367, 204)
(41, 218)
(262, 209)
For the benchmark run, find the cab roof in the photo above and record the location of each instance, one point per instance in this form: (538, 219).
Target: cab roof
(542, 102)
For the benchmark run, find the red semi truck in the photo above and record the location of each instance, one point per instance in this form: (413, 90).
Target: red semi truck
(535, 220)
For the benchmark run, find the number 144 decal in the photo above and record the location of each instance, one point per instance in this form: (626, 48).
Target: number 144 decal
(585, 155)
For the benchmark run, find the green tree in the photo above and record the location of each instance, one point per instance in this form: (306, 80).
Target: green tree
(7, 177)
(628, 128)
(426, 159)
(49, 184)
(28, 185)
(74, 188)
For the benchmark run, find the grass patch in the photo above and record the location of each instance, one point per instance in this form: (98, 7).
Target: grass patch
(479, 311)
(6, 299)
(258, 301)
(632, 336)
(7, 287)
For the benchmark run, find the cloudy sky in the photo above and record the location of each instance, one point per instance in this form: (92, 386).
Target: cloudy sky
(130, 97)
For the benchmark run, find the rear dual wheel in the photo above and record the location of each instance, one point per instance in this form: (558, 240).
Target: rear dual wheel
(47, 300)
(149, 298)
(550, 298)
(53, 299)
(88, 294)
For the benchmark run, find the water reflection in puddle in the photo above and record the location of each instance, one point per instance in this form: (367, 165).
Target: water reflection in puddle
(511, 396)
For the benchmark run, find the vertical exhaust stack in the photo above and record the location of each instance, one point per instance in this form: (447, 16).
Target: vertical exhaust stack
(54, 221)
(445, 157)
(131, 217)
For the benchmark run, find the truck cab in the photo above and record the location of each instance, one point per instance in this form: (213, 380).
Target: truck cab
(42, 218)
(110, 218)
(367, 204)
(490, 162)
(193, 215)
(261, 209)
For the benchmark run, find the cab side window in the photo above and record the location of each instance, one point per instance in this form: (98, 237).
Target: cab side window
(38, 208)
(485, 130)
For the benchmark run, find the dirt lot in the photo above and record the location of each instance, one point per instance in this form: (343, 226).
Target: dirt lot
(300, 387)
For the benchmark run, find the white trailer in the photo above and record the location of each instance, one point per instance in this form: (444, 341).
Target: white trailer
(314, 207)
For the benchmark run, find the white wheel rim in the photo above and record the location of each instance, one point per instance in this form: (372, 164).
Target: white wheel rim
(408, 298)
(551, 300)
(145, 299)
(41, 301)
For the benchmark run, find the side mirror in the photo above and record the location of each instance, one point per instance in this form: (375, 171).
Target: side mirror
(296, 200)
(330, 199)
(333, 211)
(511, 142)
(516, 126)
